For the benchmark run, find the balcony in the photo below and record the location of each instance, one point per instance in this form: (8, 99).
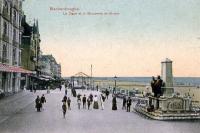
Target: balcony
(6, 15)
(4, 60)
(5, 38)
(14, 63)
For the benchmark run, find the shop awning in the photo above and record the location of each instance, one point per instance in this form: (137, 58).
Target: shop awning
(14, 69)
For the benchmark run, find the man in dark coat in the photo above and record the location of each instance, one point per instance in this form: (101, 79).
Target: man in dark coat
(107, 93)
(38, 103)
(129, 101)
(84, 101)
(43, 100)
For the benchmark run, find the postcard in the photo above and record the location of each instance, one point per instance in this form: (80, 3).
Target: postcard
(99, 66)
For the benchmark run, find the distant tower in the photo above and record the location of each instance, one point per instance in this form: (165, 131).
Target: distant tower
(167, 76)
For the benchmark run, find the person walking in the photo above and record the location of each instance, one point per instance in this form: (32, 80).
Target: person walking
(102, 99)
(69, 103)
(96, 105)
(66, 91)
(124, 103)
(88, 102)
(64, 108)
(107, 93)
(79, 101)
(84, 101)
(43, 100)
(64, 99)
(38, 103)
(34, 88)
(60, 87)
(48, 89)
(114, 103)
(129, 101)
(91, 98)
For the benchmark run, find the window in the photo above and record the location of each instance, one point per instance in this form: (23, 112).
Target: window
(15, 16)
(14, 35)
(5, 26)
(5, 6)
(4, 53)
(14, 56)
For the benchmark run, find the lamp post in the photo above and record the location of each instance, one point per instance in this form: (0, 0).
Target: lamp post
(114, 89)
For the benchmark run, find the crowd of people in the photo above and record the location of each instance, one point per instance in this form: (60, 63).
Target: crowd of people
(92, 101)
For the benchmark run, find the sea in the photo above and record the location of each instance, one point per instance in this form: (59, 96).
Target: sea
(183, 81)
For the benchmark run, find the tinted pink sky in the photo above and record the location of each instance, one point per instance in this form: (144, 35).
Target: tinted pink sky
(132, 43)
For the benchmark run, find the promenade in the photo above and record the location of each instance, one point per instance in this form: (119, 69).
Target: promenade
(26, 120)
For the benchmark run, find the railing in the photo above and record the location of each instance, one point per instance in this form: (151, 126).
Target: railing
(14, 62)
(5, 38)
(4, 60)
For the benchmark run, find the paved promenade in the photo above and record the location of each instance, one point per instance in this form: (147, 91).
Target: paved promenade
(50, 120)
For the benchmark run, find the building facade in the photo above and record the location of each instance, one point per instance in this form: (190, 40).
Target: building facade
(10, 45)
(50, 67)
(30, 53)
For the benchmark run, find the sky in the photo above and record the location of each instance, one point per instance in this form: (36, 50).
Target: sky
(132, 42)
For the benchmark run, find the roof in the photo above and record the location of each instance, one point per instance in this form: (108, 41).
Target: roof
(81, 74)
(7, 68)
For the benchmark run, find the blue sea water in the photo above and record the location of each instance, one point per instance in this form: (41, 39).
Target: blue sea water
(188, 81)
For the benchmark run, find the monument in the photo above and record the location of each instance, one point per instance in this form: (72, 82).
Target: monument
(170, 106)
(167, 76)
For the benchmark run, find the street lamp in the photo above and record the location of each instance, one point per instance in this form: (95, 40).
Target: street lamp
(114, 89)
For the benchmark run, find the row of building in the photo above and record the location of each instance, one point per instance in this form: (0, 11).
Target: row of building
(22, 64)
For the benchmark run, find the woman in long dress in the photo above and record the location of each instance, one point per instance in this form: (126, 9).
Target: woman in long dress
(114, 103)
(96, 105)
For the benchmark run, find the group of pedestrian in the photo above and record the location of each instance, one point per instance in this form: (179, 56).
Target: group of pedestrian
(39, 102)
(91, 100)
(66, 103)
(126, 104)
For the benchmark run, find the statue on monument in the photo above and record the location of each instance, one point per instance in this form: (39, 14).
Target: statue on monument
(156, 85)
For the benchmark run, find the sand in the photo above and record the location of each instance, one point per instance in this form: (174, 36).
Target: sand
(193, 91)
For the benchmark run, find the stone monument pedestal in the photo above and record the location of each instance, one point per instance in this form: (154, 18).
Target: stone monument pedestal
(167, 91)
(168, 108)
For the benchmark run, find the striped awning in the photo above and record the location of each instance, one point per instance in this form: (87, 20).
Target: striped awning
(15, 69)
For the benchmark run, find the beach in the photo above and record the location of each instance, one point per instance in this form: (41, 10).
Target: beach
(193, 91)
